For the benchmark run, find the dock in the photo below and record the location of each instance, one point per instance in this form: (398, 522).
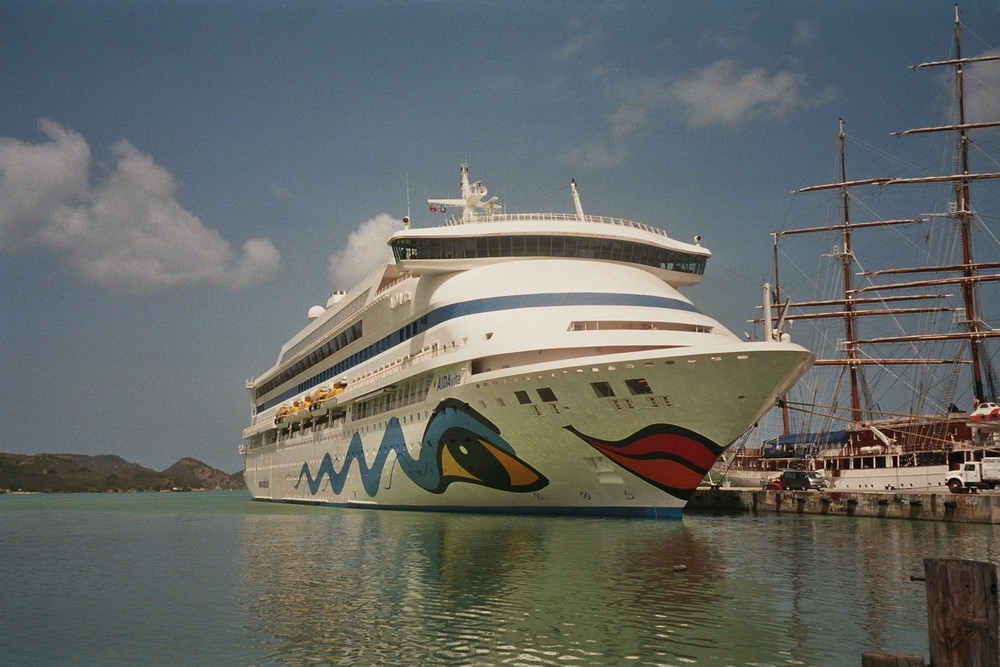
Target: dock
(913, 505)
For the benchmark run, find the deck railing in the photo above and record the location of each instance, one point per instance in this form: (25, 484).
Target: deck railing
(559, 217)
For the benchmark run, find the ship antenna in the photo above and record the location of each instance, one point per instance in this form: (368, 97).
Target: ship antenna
(576, 199)
(406, 220)
(472, 197)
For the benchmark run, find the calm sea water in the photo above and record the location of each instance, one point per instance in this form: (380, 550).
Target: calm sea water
(214, 578)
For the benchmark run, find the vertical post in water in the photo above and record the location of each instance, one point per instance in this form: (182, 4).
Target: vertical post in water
(879, 659)
(962, 616)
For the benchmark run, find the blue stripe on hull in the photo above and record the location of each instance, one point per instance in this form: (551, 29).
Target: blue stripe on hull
(476, 307)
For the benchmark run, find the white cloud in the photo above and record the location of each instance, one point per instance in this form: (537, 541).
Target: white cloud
(38, 180)
(596, 155)
(982, 101)
(126, 231)
(723, 92)
(638, 98)
(580, 39)
(366, 251)
(259, 261)
(803, 33)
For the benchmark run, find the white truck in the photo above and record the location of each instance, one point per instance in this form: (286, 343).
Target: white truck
(975, 475)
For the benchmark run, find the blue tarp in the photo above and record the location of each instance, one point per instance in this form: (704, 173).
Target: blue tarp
(821, 438)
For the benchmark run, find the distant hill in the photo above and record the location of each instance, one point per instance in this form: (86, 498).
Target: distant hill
(205, 475)
(104, 463)
(76, 473)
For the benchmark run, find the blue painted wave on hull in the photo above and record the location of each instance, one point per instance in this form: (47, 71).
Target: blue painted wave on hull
(420, 470)
(458, 445)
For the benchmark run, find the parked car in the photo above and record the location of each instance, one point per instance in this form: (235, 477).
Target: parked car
(802, 480)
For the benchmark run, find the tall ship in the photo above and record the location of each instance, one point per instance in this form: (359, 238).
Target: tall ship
(537, 363)
(902, 319)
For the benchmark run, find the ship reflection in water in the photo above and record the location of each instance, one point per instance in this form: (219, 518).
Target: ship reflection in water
(401, 588)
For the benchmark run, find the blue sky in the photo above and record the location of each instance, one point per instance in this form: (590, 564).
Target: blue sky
(180, 181)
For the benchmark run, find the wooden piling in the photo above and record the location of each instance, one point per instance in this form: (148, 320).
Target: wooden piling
(962, 616)
(879, 659)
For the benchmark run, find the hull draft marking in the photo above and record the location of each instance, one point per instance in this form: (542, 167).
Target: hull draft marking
(458, 445)
(672, 458)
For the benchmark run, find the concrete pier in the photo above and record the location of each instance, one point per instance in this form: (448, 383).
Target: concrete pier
(914, 505)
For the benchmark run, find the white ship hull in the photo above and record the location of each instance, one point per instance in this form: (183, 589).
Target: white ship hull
(713, 394)
(530, 363)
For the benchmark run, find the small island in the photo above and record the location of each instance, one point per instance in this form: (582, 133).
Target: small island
(79, 473)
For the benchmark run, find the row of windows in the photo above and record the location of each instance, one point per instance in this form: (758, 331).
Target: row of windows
(416, 391)
(585, 247)
(409, 393)
(414, 328)
(631, 325)
(335, 344)
(342, 315)
(636, 387)
(395, 338)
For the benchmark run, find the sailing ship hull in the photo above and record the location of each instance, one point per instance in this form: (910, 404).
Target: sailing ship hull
(917, 478)
(917, 456)
(471, 444)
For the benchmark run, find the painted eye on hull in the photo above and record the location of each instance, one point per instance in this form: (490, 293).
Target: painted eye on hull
(468, 459)
(471, 450)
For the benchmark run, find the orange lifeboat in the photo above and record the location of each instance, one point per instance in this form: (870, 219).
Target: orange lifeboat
(281, 413)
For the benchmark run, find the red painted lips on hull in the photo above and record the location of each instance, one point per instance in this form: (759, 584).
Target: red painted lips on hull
(672, 458)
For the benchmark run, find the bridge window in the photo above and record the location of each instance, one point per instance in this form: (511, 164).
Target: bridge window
(542, 245)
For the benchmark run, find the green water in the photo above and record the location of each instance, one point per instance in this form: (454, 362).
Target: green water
(195, 578)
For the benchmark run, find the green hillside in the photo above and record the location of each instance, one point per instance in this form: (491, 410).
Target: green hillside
(77, 473)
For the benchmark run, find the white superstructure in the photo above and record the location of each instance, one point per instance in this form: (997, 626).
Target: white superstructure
(530, 362)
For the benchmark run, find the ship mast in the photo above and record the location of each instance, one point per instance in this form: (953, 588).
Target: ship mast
(576, 200)
(471, 201)
(855, 303)
(963, 212)
(846, 262)
(777, 298)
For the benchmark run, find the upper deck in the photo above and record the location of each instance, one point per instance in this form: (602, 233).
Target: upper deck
(482, 235)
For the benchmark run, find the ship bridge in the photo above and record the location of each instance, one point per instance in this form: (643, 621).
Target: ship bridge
(466, 244)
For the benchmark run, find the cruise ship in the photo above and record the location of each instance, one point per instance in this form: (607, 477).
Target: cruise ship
(535, 363)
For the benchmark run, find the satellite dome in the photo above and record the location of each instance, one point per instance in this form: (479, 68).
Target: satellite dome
(315, 312)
